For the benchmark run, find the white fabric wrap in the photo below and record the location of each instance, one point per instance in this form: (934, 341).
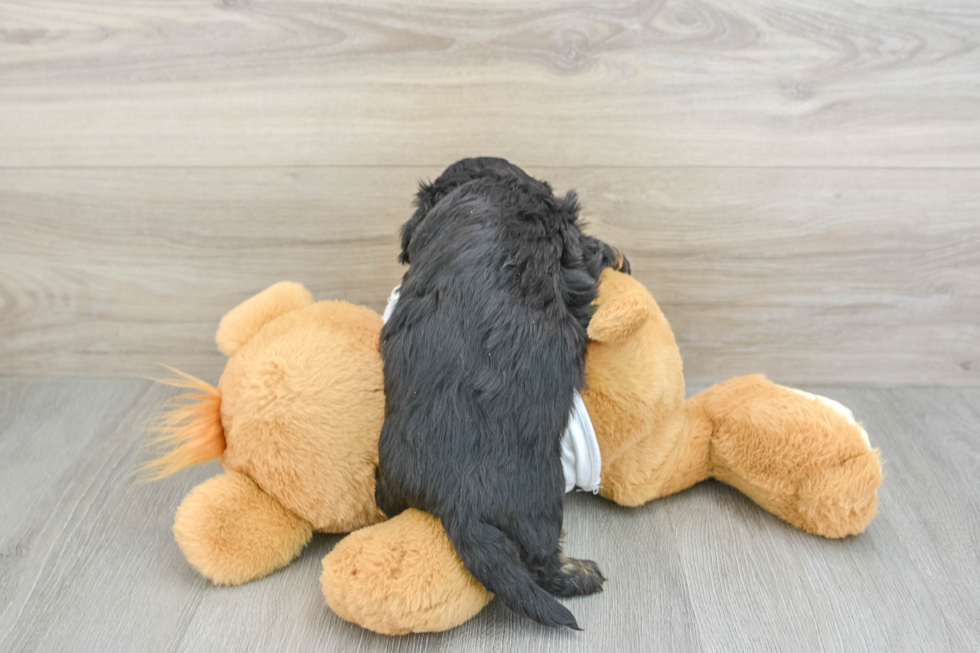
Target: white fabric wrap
(581, 459)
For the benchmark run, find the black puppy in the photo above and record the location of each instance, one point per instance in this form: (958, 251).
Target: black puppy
(482, 356)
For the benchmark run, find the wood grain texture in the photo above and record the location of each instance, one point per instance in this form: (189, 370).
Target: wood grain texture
(626, 82)
(797, 183)
(88, 562)
(809, 275)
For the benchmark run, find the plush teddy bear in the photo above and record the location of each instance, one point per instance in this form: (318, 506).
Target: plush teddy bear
(298, 410)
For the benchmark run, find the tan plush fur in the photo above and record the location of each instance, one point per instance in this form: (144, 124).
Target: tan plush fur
(811, 468)
(301, 407)
(245, 320)
(634, 388)
(233, 532)
(295, 419)
(791, 454)
(384, 576)
(302, 403)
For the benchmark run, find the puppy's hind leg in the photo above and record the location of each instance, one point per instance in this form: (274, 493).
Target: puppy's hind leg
(572, 577)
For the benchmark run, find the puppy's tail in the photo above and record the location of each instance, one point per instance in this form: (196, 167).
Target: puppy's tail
(189, 427)
(494, 560)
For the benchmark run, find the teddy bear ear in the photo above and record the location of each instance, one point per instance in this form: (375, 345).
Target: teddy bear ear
(241, 323)
(620, 316)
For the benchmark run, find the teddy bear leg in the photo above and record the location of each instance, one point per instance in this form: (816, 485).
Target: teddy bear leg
(233, 532)
(401, 576)
(800, 456)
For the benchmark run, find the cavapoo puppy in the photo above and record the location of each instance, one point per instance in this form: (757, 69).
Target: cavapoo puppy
(482, 355)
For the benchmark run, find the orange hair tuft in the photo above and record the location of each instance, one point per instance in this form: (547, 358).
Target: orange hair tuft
(189, 427)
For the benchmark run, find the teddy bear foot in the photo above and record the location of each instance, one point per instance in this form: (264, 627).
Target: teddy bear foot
(801, 457)
(401, 576)
(233, 532)
(841, 500)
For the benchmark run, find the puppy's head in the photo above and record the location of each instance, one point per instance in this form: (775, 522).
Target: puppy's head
(458, 174)
(596, 254)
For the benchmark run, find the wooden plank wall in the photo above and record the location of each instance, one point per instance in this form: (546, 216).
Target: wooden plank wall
(798, 183)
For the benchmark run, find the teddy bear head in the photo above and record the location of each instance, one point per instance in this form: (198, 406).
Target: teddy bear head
(302, 403)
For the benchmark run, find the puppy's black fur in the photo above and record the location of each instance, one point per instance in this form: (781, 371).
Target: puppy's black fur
(482, 355)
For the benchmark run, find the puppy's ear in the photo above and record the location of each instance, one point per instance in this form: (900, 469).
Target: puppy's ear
(599, 255)
(425, 199)
(620, 316)
(408, 230)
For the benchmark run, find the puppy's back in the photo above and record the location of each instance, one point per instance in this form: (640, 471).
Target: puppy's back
(482, 356)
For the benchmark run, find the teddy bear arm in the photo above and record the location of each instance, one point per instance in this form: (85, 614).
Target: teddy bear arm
(233, 532)
(401, 576)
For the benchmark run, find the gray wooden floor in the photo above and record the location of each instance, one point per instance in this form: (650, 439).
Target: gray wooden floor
(88, 563)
